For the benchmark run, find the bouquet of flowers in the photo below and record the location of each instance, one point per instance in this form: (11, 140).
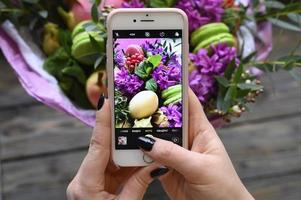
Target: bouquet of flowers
(57, 49)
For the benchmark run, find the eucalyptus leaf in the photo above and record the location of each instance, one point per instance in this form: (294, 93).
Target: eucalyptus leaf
(249, 57)
(222, 80)
(274, 4)
(238, 73)
(249, 86)
(231, 93)
(284, 24)
(230, 69)
(295, 17)
(290, 61)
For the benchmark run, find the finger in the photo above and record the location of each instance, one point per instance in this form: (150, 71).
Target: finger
(201, 132)
(91, 172)
(170, 154)
(197, 117)
(137, 184)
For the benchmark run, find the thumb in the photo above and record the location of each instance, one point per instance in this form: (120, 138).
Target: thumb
(170, 154)
(136, 185)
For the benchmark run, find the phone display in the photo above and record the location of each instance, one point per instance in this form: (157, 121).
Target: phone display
(147, 85)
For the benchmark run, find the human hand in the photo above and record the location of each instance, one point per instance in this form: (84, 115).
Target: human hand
(98, 178)
(204, 172)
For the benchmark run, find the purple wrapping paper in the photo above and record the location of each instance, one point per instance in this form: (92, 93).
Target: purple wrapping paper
(45, 91)
(27, 64)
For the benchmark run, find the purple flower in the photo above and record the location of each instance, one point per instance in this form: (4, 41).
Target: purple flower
(202, 85)
(201, 80)
(119, 60)
(201, 12)
(127, 84)
(216, 63)
(154, 49)
(133, 4)
(166, 76)
(174, 114)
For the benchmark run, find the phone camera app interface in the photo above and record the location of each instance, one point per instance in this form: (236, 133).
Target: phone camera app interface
(147, 85)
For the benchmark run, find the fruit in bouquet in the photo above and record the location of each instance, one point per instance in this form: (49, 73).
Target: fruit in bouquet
(68, 18)
(143, 104)
(172, 94)
(211, 34)
(87, 46)
(134, 55)
(82, 8)
(95, 86)
(50, 38)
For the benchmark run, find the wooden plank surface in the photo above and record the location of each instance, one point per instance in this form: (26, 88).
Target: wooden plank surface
(258, 152)
(40, 130)
(50, 175)
(278, 187)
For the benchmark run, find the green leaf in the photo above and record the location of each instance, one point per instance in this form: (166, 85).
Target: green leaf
(241, 94)
(238, 73)
(249, 86)
(284, 24)
(290, 61)
(151, 85)
(95, 44)
(155, 60)
(249, 57)
(231, 94)
(162, 3)
(99, 60)
(230, 69)
(220, 102)
(94, 12)
(43, 13)
(267, 67)
(144, 69)
(75, 92)
(274, 4)
(222, 80)
(65, 40)
(295, 18)
(75, 72)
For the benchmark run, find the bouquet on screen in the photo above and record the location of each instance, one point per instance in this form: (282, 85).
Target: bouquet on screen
(57, 49)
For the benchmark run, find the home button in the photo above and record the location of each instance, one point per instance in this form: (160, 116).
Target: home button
(147, 159)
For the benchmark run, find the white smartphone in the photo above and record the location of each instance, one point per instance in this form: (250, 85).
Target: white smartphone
(147, 65)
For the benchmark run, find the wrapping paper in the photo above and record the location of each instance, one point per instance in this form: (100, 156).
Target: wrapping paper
(27, 61)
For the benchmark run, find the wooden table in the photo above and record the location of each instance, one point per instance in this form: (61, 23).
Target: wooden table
(41, 149)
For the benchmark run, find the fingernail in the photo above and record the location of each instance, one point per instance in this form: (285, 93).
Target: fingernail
(100, 102)
(159, 172)
(145, 143)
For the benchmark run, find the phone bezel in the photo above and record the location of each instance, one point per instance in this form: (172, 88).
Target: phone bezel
(123, 19)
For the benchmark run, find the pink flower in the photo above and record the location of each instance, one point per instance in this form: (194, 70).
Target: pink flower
(82, 8)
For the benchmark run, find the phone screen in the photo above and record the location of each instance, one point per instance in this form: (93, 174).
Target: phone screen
(147, 85)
